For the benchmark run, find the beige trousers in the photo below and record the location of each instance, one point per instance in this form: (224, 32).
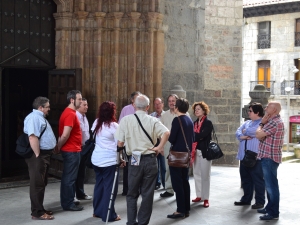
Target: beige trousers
(201, 170)
(168, 183)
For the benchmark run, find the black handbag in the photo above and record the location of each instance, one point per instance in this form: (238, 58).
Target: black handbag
(180, 159)
(88, 150)
(249, 159)
(213, 149)
(23, 147)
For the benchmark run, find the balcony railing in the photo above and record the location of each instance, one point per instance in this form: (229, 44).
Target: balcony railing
(263, 41)
(297, 38)
(269, 84)
(294, 85)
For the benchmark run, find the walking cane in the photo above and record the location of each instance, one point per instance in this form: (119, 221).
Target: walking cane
(115, 179)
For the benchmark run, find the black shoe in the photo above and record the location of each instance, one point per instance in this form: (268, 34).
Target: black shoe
(157, 187)
(257, 206)
(241, 203)
(124, 193)
(187, 214)
(166, 194)
(74, 208)
(175, 216)
(262, 211)
(268, 217)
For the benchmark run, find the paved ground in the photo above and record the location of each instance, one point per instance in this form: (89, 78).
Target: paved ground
(225, 189)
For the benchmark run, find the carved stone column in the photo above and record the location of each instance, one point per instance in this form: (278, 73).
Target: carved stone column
(98, 55)
(132, 51)
(63, 39)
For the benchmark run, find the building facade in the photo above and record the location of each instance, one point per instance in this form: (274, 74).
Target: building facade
(271, 52)
(110, 48)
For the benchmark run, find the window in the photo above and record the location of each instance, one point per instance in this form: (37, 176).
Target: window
(297, 33)
(264, 35)
(264, 73)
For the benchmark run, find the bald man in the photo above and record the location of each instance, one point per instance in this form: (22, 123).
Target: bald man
(270, 133)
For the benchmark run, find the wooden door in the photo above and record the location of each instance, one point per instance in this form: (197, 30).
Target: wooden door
(61, 81)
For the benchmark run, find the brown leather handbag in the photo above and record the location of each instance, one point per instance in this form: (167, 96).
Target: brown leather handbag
(180, 159)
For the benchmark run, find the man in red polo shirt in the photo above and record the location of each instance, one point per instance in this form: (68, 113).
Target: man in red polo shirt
(69, 144)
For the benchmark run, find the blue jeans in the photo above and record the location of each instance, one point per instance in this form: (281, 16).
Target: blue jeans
(253, 179)
(161, 170)
(269, 168)
(71, 162)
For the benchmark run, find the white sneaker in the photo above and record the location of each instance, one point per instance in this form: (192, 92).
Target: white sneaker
(76, 201)
(87, 197)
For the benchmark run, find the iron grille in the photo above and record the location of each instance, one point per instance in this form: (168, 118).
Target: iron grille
(295, 87)
(263, 41)
(297, 38)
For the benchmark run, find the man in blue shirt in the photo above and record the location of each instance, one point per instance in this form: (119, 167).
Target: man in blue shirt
(251, 177)
(38, 164)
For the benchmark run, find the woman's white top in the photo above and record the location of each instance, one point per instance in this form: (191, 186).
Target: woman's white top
(105, 152)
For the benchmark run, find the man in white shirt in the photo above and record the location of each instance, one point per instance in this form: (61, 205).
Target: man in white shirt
(142, 175)
(166, 120)
(127, 110)
(84, 126)
(158, 106)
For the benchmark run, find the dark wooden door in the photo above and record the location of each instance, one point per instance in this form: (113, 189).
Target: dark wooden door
(27, 24)
(61, 81)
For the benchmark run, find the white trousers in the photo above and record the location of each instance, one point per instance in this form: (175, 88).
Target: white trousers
(201, 171)
(168, 183)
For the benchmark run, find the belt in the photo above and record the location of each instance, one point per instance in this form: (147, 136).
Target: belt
(46, 149)
(152, 155)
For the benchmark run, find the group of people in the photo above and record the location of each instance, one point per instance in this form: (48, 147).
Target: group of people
(262, 134)
(144, 142)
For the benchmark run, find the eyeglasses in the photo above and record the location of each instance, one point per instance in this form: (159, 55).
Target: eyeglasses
(47, 107)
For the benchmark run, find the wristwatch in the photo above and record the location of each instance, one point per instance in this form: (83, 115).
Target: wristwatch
(261, 124)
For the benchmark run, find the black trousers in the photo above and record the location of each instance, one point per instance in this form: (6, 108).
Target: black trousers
(38, 174)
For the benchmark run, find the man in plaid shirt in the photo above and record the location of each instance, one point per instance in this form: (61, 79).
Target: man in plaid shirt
(270, 133)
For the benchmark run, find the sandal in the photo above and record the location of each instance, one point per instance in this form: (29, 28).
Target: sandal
(48, 212)
(43, 217)
(118, 218)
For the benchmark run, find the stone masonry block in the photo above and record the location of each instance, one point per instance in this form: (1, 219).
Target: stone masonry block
(221, 128)
(233, 93)
(225, 12)
(221, 109)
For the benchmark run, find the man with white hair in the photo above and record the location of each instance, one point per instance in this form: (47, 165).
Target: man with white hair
(141, 174)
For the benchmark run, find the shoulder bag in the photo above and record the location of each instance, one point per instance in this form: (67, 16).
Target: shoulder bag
(249, 159)
(23, 145)
(213, 149)
(88, 150)
(180, 159)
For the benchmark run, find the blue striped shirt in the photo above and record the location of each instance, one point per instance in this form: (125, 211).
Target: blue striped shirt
(34, 124)
(247, 129)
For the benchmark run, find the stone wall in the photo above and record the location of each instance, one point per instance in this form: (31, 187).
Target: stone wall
(203, 40)
(281, 55)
